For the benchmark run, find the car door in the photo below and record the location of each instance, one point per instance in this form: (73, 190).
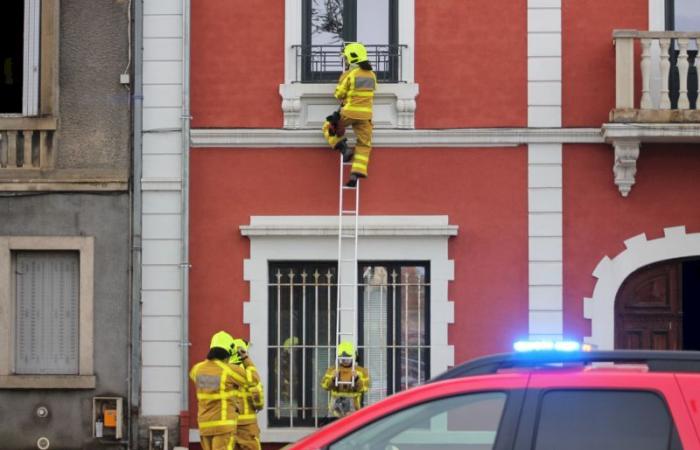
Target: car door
(476, 413)
(604, 410)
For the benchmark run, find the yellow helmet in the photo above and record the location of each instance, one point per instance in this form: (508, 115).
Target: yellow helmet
(290, 342)
(237, 345)
(222, 340)
(354, 52)
(345, 349)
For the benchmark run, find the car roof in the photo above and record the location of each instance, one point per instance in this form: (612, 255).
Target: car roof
(654, 360)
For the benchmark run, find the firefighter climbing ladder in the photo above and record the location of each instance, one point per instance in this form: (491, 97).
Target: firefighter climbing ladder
(346, 314)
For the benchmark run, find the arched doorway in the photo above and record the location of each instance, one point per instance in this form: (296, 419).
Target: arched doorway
(658, 307)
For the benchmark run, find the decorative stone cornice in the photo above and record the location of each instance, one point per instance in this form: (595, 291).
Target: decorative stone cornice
(368, 226)
(461, 137)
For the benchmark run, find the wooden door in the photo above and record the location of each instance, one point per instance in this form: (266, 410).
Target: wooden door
(648, 311)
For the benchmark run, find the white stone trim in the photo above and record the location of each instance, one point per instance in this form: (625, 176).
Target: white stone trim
(545, 241)
(86, 248)
(460, 137)
(611, 273)
(315, 238)
(544, 63)
(306, 105)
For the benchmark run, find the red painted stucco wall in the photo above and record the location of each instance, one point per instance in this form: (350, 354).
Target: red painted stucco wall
(597, 219)
(588, 56)
(471, 63)
(483, 191)
(237, 63)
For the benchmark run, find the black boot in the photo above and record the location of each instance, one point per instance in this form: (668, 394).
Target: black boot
(346, 151)
(352, 182)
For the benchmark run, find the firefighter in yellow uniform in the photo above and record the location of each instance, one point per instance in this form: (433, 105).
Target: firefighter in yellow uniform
(355, 90)
(218, 383)
(346, 385)
(250, 400)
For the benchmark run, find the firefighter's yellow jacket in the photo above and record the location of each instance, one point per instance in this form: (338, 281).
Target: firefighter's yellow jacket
(354, 392)
(250, 400)
(218, 386)
(356, 90)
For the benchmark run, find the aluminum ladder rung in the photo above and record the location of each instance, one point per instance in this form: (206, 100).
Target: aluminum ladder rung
(349, 211)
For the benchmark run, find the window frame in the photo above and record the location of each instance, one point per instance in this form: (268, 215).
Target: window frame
(315, 238)
(307, 75)
(44, 96)
(85, 378)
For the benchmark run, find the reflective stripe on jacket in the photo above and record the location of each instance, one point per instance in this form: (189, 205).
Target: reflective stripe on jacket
(250, 400)
(356, 90)
(354, 391)
(217, 385)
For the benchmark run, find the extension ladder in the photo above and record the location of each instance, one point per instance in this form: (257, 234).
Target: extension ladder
(346, 314)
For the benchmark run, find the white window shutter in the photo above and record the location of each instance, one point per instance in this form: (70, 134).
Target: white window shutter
(47, 312)
(32, 41)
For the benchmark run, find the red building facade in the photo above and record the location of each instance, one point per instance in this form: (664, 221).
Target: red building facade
(505, 200)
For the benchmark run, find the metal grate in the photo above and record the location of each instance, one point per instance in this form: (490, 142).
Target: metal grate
(324, 64)
(393, 334)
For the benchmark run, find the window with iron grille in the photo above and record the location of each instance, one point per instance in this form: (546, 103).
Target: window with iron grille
(327, 24)
(393, 335)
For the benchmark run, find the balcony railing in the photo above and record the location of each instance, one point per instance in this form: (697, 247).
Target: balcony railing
(669, 76)
(26, 143)
(324, 64)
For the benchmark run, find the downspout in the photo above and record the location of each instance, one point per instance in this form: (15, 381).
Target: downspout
(185, 208)
(135, 323)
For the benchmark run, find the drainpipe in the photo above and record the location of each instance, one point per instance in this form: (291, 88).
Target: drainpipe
(136, 205)
(184, 197)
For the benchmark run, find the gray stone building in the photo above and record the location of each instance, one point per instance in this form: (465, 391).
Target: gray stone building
(65, 225)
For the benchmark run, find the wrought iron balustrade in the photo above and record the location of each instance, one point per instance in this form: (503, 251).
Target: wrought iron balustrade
(324, 64)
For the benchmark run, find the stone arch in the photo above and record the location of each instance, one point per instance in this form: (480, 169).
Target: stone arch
(611, 273)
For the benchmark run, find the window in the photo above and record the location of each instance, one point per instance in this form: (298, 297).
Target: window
(46, 286)
(327, 24)
(46, 312)
(466, 422)
(605, 420)
(393, 312)
(19, 57)
(393, 334)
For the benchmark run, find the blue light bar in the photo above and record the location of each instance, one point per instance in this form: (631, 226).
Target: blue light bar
(540, 346)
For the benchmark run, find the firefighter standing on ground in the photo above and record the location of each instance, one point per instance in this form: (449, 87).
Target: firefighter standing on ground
(347, 385)
(250, 401)
(218, 383)
(355, 90)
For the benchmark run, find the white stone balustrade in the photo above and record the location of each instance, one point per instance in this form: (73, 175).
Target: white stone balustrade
(26, 144)
(650, 41)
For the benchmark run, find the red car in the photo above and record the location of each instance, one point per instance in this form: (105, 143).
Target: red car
(614, 400)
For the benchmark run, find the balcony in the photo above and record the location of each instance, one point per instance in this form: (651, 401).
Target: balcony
(667, 109)
(313, 71)
(26, 145)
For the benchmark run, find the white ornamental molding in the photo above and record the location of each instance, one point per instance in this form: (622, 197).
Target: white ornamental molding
(625, 165)
(611, 273)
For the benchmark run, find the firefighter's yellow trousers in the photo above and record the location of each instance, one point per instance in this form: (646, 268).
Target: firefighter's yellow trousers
(363, 146)
(217, 441)
(248, 437)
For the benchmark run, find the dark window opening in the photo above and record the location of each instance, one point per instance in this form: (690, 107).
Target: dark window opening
(11, 56)
(327, 24)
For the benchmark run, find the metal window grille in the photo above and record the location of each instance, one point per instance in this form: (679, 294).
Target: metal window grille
(393, 335)
(47, 308)
(324, 64)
